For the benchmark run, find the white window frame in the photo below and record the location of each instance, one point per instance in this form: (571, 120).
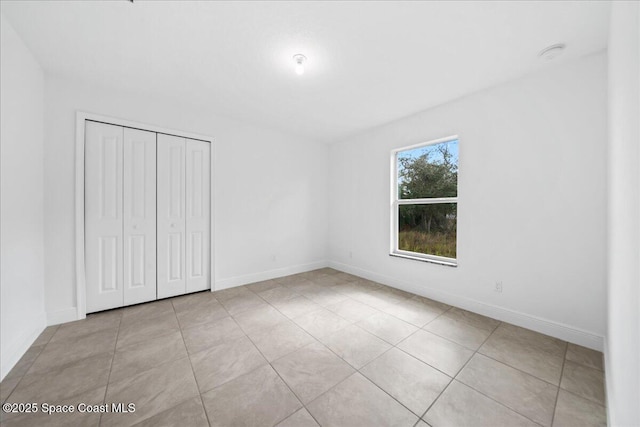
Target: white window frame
(396, 202)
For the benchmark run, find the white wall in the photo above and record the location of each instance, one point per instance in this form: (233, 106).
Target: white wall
(270, 189)
(21, 198)
(532, 185)
(622, 357)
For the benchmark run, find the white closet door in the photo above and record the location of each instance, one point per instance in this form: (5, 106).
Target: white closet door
(139, 216)
(171, 216)
(198, 207)
(103, 216)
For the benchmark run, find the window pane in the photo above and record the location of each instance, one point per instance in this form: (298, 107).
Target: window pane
(429, 171)
(428, 229)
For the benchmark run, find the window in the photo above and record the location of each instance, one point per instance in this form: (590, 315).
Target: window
(424, 208)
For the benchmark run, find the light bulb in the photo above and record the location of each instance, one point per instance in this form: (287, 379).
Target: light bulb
(299, 60)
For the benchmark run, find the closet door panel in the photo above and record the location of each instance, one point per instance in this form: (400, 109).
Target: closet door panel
(171, 217)
(103, 216)
(198, 215)
(139, 216)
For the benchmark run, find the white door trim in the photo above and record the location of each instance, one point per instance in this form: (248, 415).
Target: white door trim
(81, 117)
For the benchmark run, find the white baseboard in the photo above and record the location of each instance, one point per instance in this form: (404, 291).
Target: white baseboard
(12, 352)
(232, 282)
(62, 316)
(544, 326)
(71, 314)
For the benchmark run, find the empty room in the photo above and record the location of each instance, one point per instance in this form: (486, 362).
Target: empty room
(320, 213)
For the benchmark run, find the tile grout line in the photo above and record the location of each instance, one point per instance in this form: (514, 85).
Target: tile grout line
(269, 362)
(415, 332)
(460, 370)
(164, 334)
(281, 379)
(515, 367)
(3, 416)
(357, 370)
(186, 349)
(278, 373)
(499, 403)
(583, 366)
(409, 323)
(420, 328)
(484, 394)
(555, 404)
(520, 370)
(27, 370)
(113, 357)
(385, 391)
(348, 297)
(450, 340)
(398, 302)
(584, 398)
(503, 362)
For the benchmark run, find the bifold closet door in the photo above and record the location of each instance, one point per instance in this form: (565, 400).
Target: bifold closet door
(183, 215)
(147, 216)
(171, 175)
(120, 216)
(103, 216)
(139, 216)
(198, 215)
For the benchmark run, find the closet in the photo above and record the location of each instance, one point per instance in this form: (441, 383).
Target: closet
(147, 215)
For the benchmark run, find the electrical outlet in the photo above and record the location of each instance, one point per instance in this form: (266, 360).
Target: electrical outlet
(273, 258)
(498, 287)
(350, 254)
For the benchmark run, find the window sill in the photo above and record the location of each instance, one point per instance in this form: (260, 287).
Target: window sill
(448, 263)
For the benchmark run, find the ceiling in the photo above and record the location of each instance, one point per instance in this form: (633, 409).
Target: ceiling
(369, 63)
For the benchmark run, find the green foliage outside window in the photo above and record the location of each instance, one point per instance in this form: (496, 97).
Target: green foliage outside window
(428, 172)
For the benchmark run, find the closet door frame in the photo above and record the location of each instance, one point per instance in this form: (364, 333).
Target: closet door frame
(81, 118)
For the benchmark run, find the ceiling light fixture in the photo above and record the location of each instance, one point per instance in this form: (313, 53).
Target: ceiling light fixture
(299, 60)
(552, 52)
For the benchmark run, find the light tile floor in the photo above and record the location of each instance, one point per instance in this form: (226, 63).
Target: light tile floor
(319, 348)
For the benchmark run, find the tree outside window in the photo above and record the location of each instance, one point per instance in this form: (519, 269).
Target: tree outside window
(425, 202)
